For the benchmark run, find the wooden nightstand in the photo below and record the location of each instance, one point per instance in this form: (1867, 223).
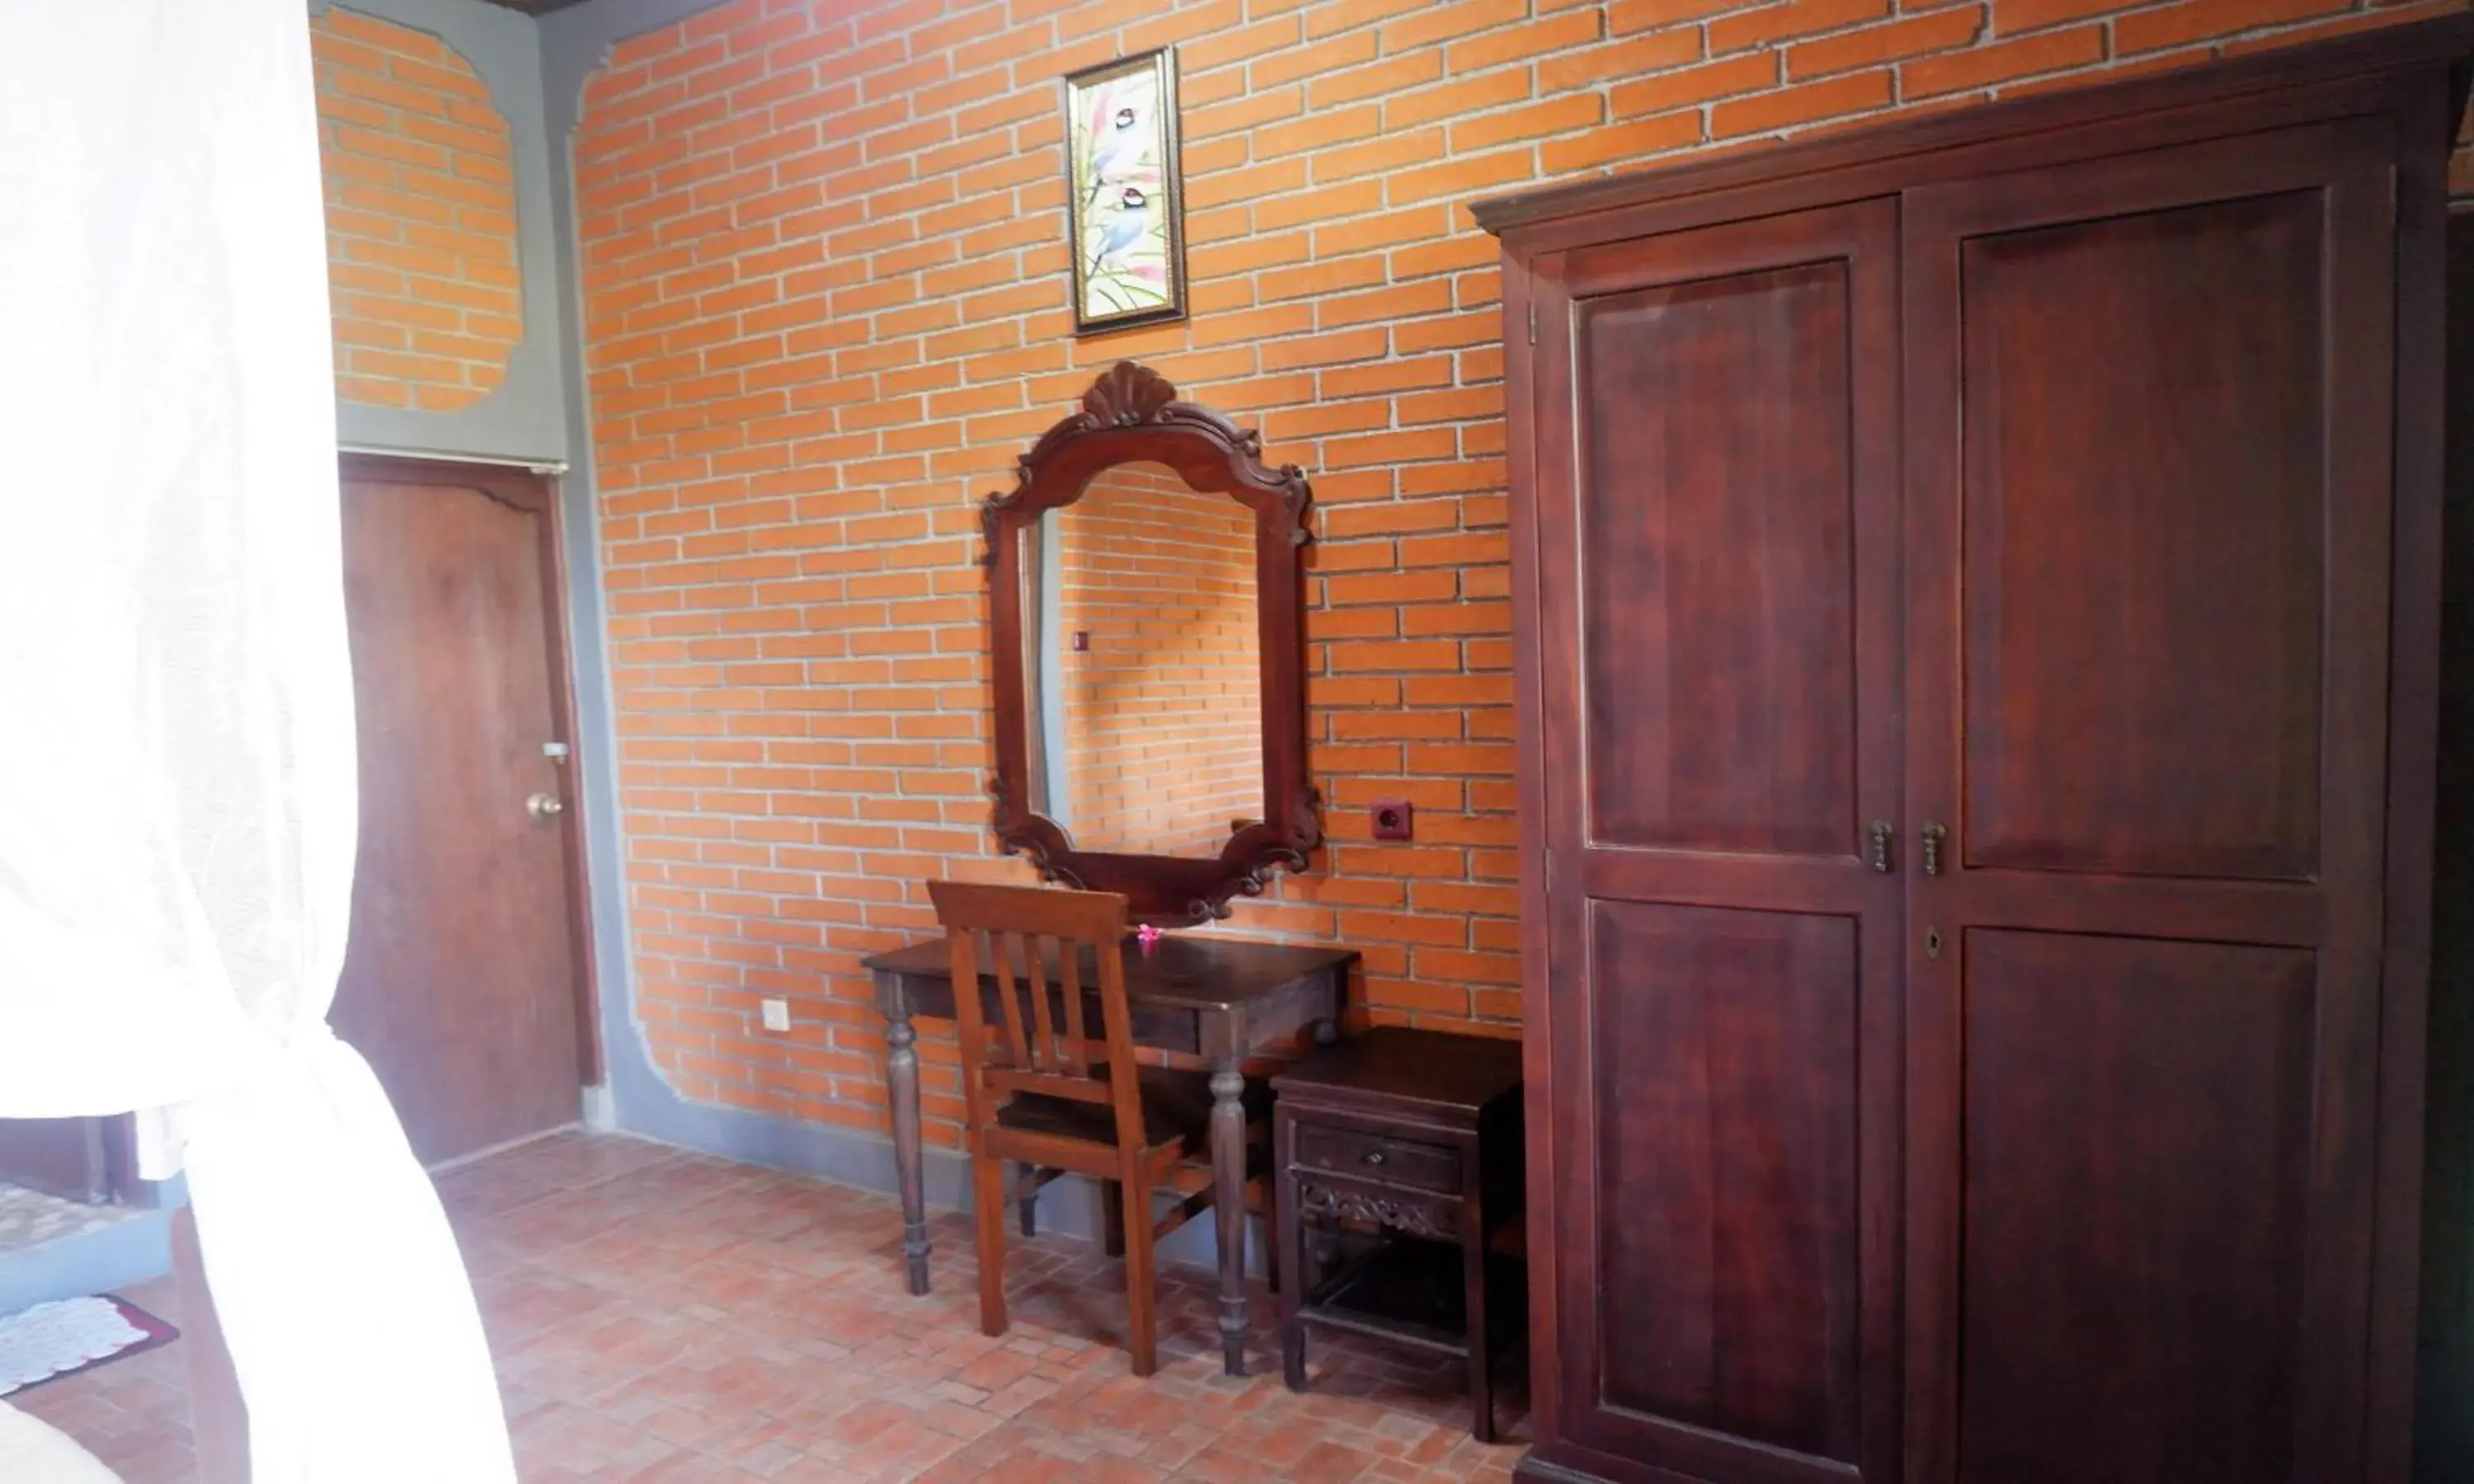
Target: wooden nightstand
(1399, 1155)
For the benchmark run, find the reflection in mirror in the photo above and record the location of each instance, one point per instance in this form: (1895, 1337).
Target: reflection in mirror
(1143, 665)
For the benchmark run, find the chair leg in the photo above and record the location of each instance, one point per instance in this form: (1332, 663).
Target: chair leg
(1112, 1217)
(1030, 1202)
(988, 1203)
(1142, 1339)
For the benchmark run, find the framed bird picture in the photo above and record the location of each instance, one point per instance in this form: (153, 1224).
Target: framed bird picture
(1124, 206)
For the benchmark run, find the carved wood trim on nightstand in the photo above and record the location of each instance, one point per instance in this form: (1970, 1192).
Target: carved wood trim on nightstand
(1417, 1216)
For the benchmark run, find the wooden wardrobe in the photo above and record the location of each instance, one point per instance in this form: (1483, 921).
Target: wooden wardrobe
(1978, 599)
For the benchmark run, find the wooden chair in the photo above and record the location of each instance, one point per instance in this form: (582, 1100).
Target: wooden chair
(1035, 1094)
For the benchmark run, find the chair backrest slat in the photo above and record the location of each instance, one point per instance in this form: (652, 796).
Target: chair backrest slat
(1043, 1047)
(1069, 960)
(1039, 1054)
(1000, 948)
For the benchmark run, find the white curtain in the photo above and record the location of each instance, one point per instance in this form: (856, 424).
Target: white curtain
(177, 769)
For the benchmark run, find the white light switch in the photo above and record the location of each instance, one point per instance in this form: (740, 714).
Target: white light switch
(777, 1015)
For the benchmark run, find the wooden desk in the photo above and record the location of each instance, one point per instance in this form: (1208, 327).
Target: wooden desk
(1222, 999)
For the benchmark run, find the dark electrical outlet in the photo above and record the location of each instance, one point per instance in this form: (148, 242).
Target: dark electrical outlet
(1082, 641)
(1391, 818)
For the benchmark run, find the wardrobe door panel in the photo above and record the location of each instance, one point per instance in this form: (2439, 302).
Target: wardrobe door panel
(2137, 1180)
(1720, 550)
(1726, 1070)
(2149, 503)
(1718, 605)
(2127, 711)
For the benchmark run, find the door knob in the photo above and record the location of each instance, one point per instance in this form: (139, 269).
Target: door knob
(541, 806)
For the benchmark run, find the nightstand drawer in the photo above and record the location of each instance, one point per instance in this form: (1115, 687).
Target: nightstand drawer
(1401, 1162)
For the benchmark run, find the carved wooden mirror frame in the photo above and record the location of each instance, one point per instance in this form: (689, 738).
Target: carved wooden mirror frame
(1130, 416)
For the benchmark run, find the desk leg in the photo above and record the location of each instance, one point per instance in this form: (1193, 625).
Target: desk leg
(902, 1082)
(1229, 1204)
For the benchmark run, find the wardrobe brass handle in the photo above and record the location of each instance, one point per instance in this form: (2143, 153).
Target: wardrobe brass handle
(1934, 834)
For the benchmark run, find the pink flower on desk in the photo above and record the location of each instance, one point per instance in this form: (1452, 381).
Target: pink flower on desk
(1148, 936)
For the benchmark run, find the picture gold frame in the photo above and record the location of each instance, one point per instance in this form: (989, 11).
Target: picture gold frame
(1124, 195)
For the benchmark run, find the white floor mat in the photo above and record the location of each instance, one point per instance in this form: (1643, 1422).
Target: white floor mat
(50, 1339)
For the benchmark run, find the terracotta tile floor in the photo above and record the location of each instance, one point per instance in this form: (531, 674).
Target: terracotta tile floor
(659, 1315)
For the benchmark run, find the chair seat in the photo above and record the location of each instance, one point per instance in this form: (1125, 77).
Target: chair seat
(1176, 1110)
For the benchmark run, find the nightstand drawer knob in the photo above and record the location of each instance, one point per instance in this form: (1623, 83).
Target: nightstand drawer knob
(1364, 1154)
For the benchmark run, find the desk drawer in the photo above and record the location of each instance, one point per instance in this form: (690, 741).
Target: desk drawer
(1398, 1161)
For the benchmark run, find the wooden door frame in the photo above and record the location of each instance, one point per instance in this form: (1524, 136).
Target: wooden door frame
(521, 488)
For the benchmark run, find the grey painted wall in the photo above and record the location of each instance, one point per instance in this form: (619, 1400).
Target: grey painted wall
(524, 418)
(135, 1249)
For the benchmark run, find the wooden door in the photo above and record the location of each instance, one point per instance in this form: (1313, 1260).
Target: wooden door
(91, 1160)
(1717, 650)
(460, 981)
(2150, 437)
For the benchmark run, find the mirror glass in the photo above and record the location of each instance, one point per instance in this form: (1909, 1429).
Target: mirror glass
(1142, 666)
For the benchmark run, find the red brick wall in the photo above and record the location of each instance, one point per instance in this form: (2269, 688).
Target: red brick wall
(421, 216)
(1163, 747)
(825, 301)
